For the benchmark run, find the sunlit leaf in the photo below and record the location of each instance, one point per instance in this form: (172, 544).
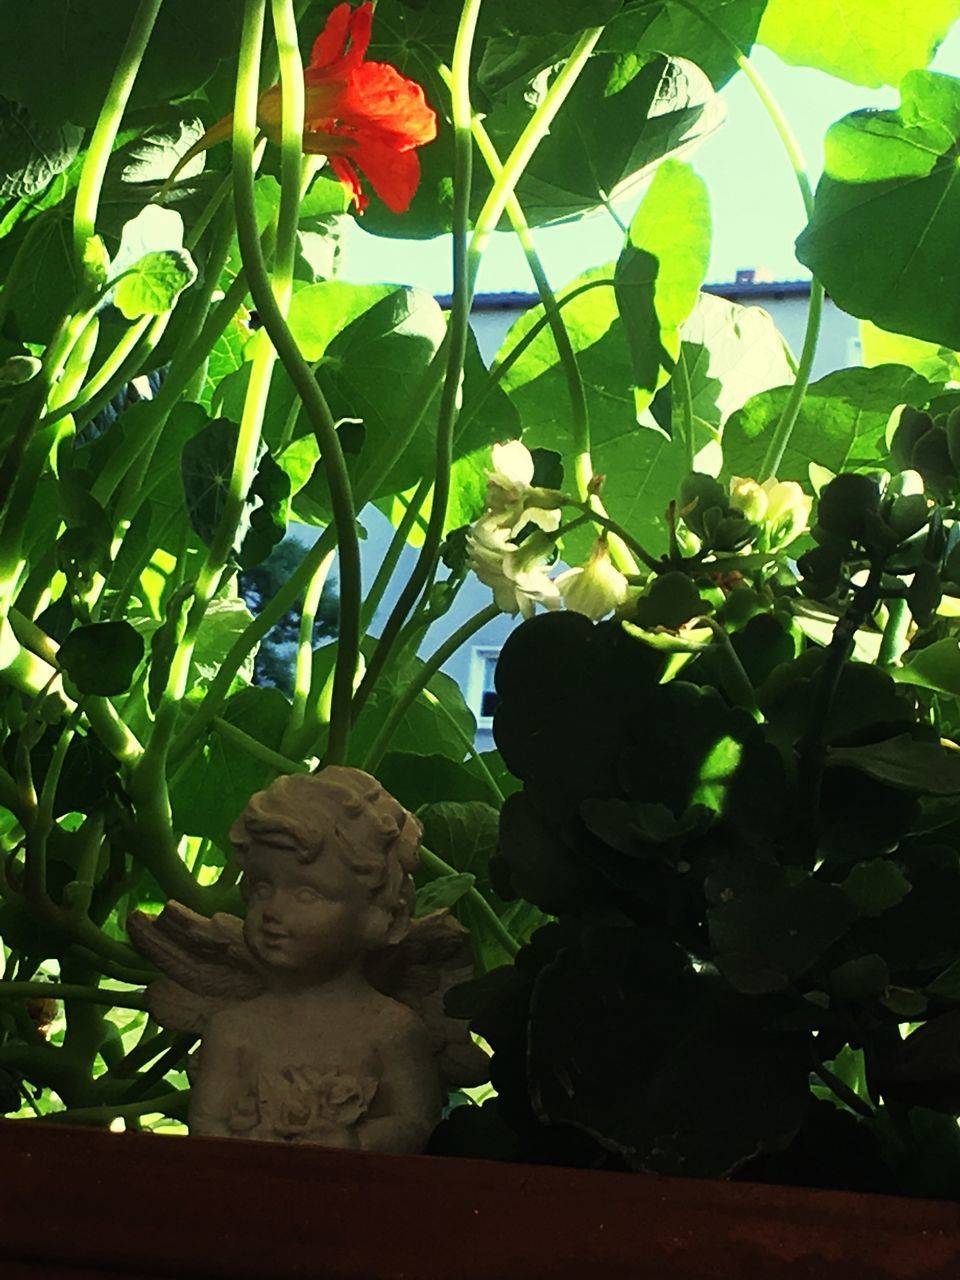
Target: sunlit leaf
(870, 42)
(887, 211)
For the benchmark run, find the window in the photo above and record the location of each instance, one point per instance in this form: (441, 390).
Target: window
(481, 694)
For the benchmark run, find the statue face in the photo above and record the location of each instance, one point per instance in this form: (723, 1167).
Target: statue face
(311, 918)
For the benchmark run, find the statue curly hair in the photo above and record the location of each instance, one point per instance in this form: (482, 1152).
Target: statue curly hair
(346, 811)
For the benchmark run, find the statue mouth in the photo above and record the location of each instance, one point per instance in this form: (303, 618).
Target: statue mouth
(273, 937)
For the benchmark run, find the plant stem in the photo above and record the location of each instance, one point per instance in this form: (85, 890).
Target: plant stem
(499, 929)
(784, 429)
(681, 381)
(601, 518)
(399, 540)
(456, 349)
(894, 639)
(843, 1091)
(108, 122)
(72, 991)
(579, 412)
(536, 130)
(257, 750)
(420, 681)
(171, 1103)
(303, 674)
(314, 402)
(773, 457)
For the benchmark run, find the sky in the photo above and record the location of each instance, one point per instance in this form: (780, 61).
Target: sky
(757, 212)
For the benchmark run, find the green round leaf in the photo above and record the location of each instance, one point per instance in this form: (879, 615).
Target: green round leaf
(101, 658)
(870, 42)
(887, 211)
(153, 284)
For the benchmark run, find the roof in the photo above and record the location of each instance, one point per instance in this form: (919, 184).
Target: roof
(751, 291)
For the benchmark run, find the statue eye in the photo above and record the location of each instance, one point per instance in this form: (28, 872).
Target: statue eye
(262, 889)
(306, 894)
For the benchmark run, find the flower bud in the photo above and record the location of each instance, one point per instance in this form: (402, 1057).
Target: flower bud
(596, 588)
(749, 497)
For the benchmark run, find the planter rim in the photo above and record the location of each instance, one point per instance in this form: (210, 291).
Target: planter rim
(145, 1205)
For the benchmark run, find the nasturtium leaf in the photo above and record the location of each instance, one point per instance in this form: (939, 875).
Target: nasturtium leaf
(444, 891)
(223, 623)
(321, 311)
(269, 501)
(931, 361)
(152, 285)
(417, 780)
(31, 155)
(59, 59)
(841, 425)
(208, 796)
(646, 1059)
(101, 658)
(869, 42)
(660, 271)
(730, 353)
(621, 119)
(672, 28)
(438, 721)
(463, 833)
(643, 469)
(887, 209)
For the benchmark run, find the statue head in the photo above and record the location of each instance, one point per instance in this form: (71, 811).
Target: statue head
(327, 862)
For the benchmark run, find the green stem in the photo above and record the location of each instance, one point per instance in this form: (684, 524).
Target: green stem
(256, 750)
(681, 381)
(117, 369)
(457, 335)
(303, 675)
(138, 445)
(579, 413)
(423, 677)
(72, 991)
(468, 745)
(498, 928)
(399, 540)
(791, 411)
(108, 122)
(322, 421)
(536, 130)
(602, 519)
(843, 1091)
(894, 639)
(291, 147)
(171, 1103)
(252, 634)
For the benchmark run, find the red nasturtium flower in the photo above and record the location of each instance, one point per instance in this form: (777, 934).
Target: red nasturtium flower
(361, 115)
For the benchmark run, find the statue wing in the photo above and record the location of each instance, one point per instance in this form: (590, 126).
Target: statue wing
(435, 955)
(205, 964)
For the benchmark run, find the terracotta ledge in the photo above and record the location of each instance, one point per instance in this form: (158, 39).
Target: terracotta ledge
(84, 1203)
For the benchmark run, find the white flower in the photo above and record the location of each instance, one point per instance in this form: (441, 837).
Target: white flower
(596, 588)
(788, 510)
(516, 574)
(511, 500)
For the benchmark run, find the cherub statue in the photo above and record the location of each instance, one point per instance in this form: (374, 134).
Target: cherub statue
(321, 1014)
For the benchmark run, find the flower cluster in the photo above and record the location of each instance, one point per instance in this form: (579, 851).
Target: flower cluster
(779, 506)
(510, 547)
